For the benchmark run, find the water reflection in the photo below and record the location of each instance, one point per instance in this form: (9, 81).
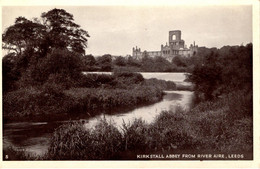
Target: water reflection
(171, 100)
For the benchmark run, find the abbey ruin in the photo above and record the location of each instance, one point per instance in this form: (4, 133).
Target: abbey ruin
(175, 47)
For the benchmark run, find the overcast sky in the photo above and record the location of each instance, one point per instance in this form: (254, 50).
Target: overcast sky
(116, 30)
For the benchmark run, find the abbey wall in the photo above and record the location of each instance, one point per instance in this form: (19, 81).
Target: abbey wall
(176, 46)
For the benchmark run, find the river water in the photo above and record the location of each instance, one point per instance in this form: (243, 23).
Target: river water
(34, 136)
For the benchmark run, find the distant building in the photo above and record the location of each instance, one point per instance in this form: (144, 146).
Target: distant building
(175, 47)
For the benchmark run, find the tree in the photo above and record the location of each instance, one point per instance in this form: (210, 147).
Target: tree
(57, 30)
(34, 43)
(223, 70)
(105, 62)
(89, 60)
(120, 61)
(9, 73)
(63, 32)
(179, 61)
(133, 62)
(22, 35)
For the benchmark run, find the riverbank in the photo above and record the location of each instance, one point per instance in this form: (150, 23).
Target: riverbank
(210, 127)
(34, 137)
(95, 93)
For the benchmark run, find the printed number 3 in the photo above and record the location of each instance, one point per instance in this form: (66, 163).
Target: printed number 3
(6, 156)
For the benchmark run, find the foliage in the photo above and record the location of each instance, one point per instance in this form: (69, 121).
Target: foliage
(133, 62)
(153, 64)
(162, 84)
(209, 127)
(31, 102)
(88, 63)
(120, 61)
(126, 79)
(105, 62)
(60, 66)
(133, 135)
(24, 34)
(98, 92)
(223, 70)
(63, 32)
(9, 73)
(105, 99)
(179, 61)
(43, 47)
(79, 143)
(97, 80)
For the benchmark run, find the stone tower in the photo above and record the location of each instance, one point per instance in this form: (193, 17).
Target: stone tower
(175, 42)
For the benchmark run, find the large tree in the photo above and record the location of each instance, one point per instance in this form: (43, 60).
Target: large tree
(33, 42)
(24, 34)
(55, 29)
(64, 32)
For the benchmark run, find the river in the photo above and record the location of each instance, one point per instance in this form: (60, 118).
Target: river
(34, 136)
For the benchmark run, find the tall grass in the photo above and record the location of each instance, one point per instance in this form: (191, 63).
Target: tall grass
(96, 99)
(162, 84)
(209, 127)
(97, 92)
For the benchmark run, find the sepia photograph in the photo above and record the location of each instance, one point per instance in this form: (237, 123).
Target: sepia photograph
(137, 83)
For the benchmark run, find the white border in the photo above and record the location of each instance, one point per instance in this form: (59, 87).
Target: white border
(152, 164)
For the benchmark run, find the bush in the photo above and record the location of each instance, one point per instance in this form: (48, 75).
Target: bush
(106, 141)
(220, 71)
(97, 80)
(162, 84)
(135, 135)
(128, 78)
(104, 99)
(170, 131)
(29, 102)
(70, 142)
(73, 142)
(59, 63)
(9, 73)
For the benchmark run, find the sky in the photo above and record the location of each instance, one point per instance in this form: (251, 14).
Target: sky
(117, 29)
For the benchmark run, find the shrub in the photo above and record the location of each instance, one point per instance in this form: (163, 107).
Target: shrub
(128, 78)
(162, 84)
(29, 102)
(106, 141)
(9, 73)
(135, 135)
(170, 131)
(70, 142)
(62, 65)
(97, 80)
(73, 142)
(103, 99)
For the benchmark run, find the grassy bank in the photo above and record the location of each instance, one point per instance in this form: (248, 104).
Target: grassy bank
(92, 94)
(220, 126)
(209, 127)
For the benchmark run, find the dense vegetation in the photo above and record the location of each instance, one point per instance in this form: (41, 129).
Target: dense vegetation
(211, 127)
(223, 70)
(93, 92)
(146, 64)
(206, 128)
(43, 76)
